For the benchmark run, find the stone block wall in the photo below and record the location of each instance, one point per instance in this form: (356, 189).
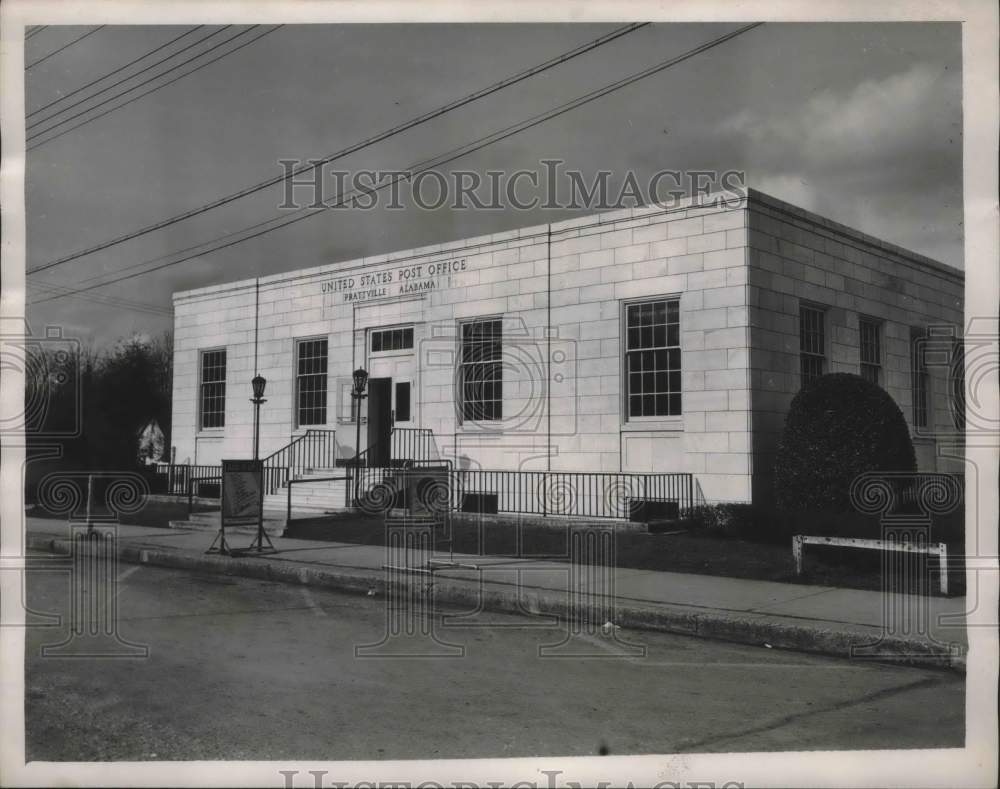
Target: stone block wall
(797, 257)
(740, 268)
(559, 291)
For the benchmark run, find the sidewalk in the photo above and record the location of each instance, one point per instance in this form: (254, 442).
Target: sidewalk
(820, 619)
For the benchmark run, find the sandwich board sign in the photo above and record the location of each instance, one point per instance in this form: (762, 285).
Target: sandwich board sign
(242, 492)
(242, 500)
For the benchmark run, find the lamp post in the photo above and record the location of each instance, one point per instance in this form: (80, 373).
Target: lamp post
(358, 394)
(258, 383)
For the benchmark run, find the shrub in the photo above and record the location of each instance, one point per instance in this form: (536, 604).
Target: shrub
(769, 525)
(724, 520)
(838, 426)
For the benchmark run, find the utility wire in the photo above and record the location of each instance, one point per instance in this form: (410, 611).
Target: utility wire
(449, 156)
(427, 116)
(64, 46)
(420, 119)
(34, 31)
(107, 299)
(134, 87)
(453, 105)
(115, 71)
(151, 90)
(182, 251)
(133, 76)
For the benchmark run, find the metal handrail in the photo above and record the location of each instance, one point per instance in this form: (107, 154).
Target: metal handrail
(316, 448)
(413, 443)
(404, 443)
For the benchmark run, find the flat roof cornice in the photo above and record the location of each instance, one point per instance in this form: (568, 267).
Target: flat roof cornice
(758, 199)
(753, 199)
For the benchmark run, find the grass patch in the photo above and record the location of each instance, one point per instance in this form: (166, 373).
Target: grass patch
(155, 514)
(697, 552)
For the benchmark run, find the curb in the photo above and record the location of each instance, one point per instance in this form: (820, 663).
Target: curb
(272, 527)
(755, 630)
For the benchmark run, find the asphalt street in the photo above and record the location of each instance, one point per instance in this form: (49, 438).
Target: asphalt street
(246, 669)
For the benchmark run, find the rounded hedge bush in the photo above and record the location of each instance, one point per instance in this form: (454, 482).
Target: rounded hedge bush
(838, 426)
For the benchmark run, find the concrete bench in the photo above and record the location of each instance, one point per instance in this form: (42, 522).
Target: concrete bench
(938, 549)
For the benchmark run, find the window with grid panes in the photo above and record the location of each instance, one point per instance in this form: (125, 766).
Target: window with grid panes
(870, 337)
(958, 384)
(392, 339)
(653, 358)
(310, 382)
(918, 376)
(812, 343)
(481, 370)
(212, 402)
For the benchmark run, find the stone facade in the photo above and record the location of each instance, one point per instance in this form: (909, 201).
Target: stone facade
(796, 258)
(738, 267)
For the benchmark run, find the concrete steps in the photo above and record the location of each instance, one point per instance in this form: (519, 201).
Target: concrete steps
(312, 498)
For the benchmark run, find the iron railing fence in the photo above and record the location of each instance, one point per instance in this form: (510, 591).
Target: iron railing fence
(621, 496)
(180, 475)
(314, 449)
(194, 483)
(372, 488)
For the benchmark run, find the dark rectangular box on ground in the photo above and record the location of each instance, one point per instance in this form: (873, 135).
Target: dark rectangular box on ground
(645, 510)
(485, 503)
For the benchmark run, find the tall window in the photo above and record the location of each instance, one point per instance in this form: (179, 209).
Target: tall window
(653, 358)
(958, 384)
(212, 402)
(481, 370)
(918, 377)
(812, 343)
(310, 382)
(871, 350)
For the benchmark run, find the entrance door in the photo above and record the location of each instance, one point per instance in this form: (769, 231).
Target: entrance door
(379, 420)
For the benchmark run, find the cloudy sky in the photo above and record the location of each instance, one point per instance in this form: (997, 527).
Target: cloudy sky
(859, 122)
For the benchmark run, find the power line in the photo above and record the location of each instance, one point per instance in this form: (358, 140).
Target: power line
(133, 76)
(151, 90)
(64, 46)
(114, 301)
(461, 102)
(176, 252)
(420, 119)
(134, 87)
(449, 156)
(115, 71)
(34, 31)
(455, 153)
